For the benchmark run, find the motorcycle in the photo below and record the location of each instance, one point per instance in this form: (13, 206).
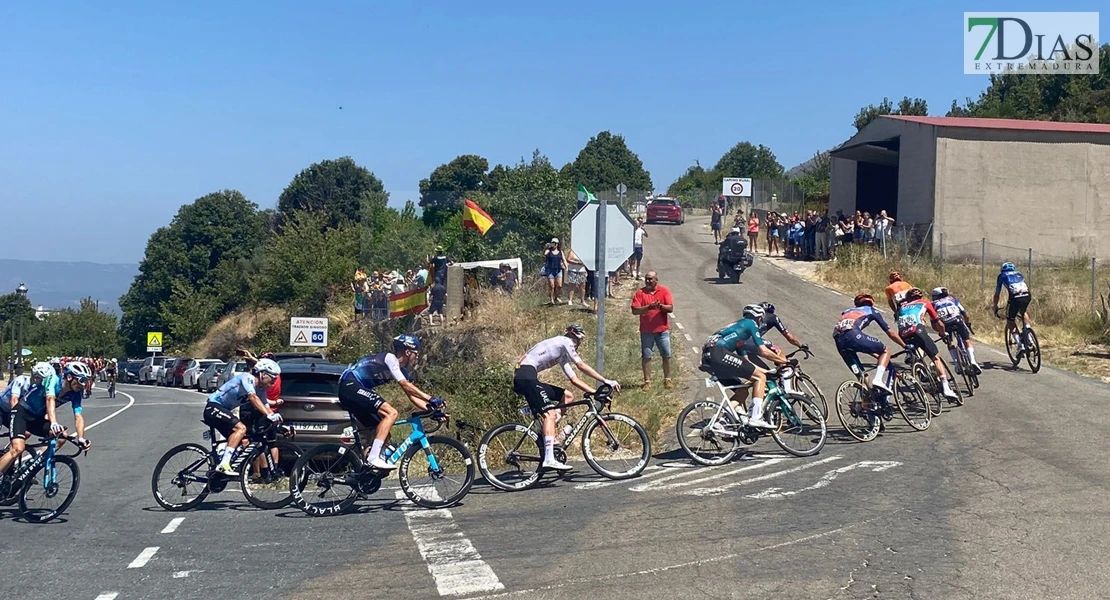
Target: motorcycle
(732, 261)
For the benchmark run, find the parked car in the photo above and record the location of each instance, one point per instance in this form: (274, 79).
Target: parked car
(236, 366)
(193, 370)
(665, 209)
(130, 371)
(207, 379)
(151, 369)
(166, 374)
(311, 394)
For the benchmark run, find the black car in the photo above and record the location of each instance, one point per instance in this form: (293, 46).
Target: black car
(130, 371)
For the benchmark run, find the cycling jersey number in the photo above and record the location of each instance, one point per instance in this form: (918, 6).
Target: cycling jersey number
(845, 324)
(1018, 288)
(948, 312)
(906, 322)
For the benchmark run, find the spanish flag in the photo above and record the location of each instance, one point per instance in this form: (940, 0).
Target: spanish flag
(408, 303)
(476, 218)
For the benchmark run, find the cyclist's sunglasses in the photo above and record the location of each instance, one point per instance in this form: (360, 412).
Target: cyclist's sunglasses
(80, 378)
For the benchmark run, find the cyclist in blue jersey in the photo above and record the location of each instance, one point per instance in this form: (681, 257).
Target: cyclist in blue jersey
(1017, 304)
(956, 322)
(771, 320)
(850, 338)
(11, 395)
(244, 390)
(357, 395)
(729, 356)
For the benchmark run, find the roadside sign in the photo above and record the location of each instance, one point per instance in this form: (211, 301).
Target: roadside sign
(308, 331)
(621, 188)
(619, 229)
(154, 341)
(736, 186)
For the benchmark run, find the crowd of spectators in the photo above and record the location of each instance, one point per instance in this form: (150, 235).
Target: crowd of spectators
(372, 291)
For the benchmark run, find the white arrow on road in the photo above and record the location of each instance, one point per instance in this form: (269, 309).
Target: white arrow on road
(876, 466)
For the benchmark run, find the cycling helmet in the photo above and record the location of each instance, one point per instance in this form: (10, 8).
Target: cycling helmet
(913, 294)
(267, 365)
(753, 311)
(894, 276)
(1008, 266)
(767, 307)
(79, 370)
(406, 342)
(42, 370)
(939, 292)
(864, 300)
(269, 355)
(575, 330)
(734, 230)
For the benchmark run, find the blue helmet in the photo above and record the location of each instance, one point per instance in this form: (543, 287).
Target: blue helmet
(406, 342)
(1008, 266)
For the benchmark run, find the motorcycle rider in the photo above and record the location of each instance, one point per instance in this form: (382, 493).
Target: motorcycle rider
(732, 248)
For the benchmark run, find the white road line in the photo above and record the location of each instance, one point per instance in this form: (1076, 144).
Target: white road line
(111, 416)
(724, 488)
(452, 560)
(876, 466)
(679, 325)
(107, 596)
(648, 472)
(174, 524)
(658, 485)
(687, 336)
(143, 558)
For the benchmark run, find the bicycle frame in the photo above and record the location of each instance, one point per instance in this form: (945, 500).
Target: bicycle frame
(21, 468)
(591, 411)
(775, 394)
(418, 435)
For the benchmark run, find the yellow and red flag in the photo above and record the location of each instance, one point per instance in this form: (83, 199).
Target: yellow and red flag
(476, 218)
(408, 303)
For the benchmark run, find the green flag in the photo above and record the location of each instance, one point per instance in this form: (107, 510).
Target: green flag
(584, 195)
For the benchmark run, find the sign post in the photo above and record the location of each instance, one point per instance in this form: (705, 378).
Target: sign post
(154, 341)
(602, 287)
(308, 331)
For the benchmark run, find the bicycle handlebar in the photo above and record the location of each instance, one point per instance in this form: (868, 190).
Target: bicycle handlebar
(71, 437)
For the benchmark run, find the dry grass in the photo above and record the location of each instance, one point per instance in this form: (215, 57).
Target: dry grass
(1060, 308)
(235, 330)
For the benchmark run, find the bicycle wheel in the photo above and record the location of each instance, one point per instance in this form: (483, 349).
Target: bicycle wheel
(705, 441)
(325, 480)
(620, 442)
(266, 484)
(851, 397)
(959, 401)
(180, 480)
(54, 488)
(806, 386)
(1032, 350)
(437, 475)
(925, 379)
(29, 454)
(800, 426)
(912, 401)
(509, 457)
(1011, 350)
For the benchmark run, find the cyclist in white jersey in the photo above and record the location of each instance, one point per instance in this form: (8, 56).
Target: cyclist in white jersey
(241, 390)
(543, 397)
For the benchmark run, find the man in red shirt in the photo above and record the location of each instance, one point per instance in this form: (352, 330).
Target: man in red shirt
(653, 303)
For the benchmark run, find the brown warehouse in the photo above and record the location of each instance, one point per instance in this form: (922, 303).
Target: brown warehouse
(1027, 184)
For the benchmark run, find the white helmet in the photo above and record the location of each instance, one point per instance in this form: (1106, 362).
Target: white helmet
(753, 311)
(267, 365)
(42, 370)
(734, 230)
(939, 292)
(79, 370)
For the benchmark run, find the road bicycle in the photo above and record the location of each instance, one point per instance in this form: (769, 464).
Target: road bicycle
(863, 409)
(804, 384)
(1030, 347)
(616, 446)
(44, 475)
(963, 360)
(329, 478)
(711, 431)
(111, 385)
(925, 372)
(187, 473)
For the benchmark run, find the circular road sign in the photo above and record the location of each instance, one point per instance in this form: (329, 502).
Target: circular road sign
(621, 188)
(737, 189)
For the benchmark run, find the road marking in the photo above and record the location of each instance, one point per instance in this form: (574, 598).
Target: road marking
(648, 472)
(143, 558)
(182, 574)
(687, 336)
(877, 466)
(679, 325)
(714, 491)
(452, 560)
(107, 596)
(111, 416)
(174, 523)
(659, 485)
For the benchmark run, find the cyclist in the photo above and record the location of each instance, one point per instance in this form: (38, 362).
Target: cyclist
(850, 338)
(957, 323)
(729, 356)
(240, 390)
(1017, 304)
(111, 372)
(911, 321)
(896, 291)
(17, 387)
(357, 395)
(543, 397)
(771, 321)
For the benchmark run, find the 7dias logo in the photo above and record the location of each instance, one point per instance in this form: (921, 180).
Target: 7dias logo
(1036, 43)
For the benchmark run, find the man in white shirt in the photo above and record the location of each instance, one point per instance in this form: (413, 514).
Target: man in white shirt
(637, 247)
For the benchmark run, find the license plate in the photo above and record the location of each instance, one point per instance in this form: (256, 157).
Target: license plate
(309, 426)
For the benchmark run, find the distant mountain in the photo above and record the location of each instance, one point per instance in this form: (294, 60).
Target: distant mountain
(63, 284)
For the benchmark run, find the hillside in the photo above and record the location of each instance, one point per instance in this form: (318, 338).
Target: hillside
(64, 284)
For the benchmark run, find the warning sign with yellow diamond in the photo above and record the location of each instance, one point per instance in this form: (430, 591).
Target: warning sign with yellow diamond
(154, 341)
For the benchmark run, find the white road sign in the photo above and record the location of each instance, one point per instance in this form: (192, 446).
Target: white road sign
(618, 236)
(736, 186)
(308, 331)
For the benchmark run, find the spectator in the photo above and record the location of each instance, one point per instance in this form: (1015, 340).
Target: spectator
(753, 232)
(715, 216)
(653, 303)
(638, 236)
(848, 226)
(821, 238)
(554, 265)
(868, 229)
(398, 284)
(360, 285)
(437, 300)
(508, 278)
(857, 228)
(809, 239)
(421, 277)
(772, 233)
(576, 278)
(439, 264)
(882, 227)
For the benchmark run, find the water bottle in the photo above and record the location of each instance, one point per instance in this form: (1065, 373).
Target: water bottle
(390, 448)
(348, 435)
(567, 430)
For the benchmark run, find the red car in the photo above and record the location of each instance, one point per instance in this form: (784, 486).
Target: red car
(665, 209)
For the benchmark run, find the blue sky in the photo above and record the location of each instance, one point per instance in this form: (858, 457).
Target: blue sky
(118, 113)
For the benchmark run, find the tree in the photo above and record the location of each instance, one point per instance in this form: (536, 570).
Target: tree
(906, 106)
(816, 176)
(13, 306)
(746, 160)
(82, 332)
(339, 188)
(443, 190)
(606, 161)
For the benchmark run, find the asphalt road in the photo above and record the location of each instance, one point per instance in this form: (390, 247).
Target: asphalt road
(1002, 498)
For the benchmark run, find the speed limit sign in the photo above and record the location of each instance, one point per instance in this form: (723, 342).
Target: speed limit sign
(736, 186)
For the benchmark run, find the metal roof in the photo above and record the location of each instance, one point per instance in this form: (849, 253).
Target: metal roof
(977, 123)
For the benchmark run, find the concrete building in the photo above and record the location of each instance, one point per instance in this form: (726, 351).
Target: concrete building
(1026, 184)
